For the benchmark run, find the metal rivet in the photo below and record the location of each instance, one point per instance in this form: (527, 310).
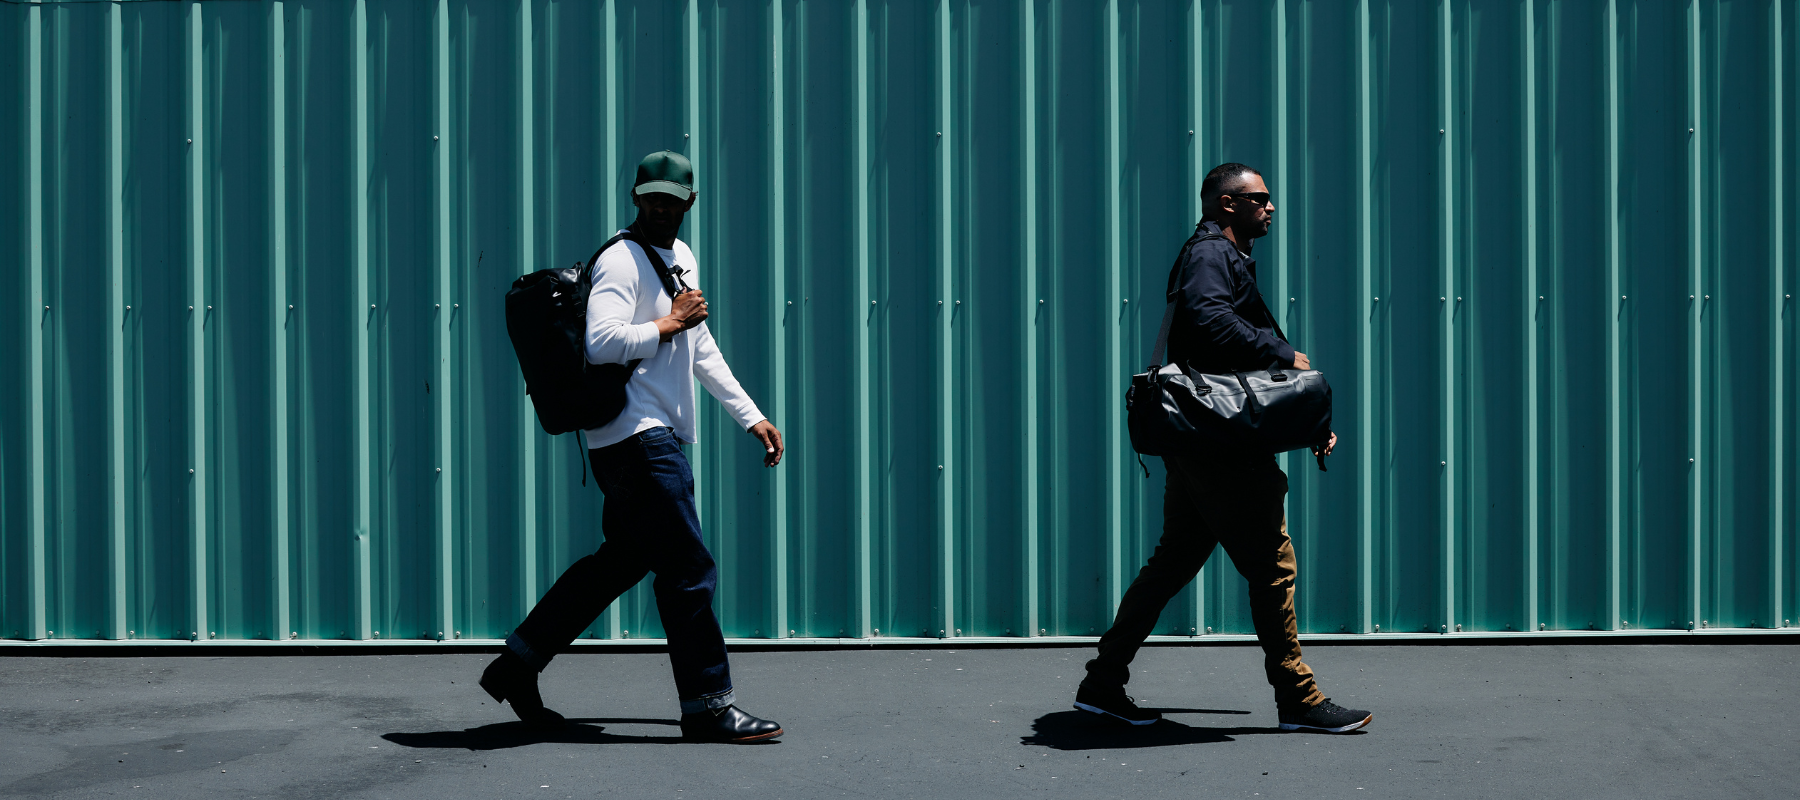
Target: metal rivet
(790, 302)
(190, 308)
(1690, 130)
(1293, 299)
(940, 133)
(190, 472)
(1690, 461)
(128, 308)
(871, 302)
(190, 141)
(1377, 628)
(1126, 300)
(684, 136)
(1440, 130)
(47, 308)
(1441, 299)
(1459, 627)
(1708, 297)
(959, 302)
(940, 466)
(440, 469)
(434, 138)
(1040, 301)
(1540, 297)
(1621, 297)
(1190, 133)
(456, 305)
(209, 308)
(1540, 626)
(433, 305)
(290, 306)
(371, 305)
(1458, 299)
(1377, 299)
(959, 631)
(940, 302)
(1443, 463)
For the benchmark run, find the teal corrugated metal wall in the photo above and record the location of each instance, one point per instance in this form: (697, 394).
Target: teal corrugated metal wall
(256, 385)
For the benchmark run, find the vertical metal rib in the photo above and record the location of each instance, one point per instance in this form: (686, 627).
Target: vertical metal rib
(1116, 332)
(699, 235)
(946, 320)
(446, 340)
(1365, 348)
(1450, 306)
(1617, 303)
(196, 125)
(1532, 307)
(1197, 176)
(367, 473)
(527, 261)
(278, 251)
(1778, 456)
(610, 187)
(118, 515)
(865, 384)
(1696, 343)
(1280, 308)
(782, 311)
(40, 314)
(1033, 569)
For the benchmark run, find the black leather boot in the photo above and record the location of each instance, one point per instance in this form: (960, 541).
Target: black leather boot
(727, 724)
(510, 680)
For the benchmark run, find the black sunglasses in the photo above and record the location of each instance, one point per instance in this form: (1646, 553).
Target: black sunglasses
(1257, 199)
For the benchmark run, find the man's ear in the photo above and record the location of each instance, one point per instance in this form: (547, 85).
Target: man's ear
(692, 196)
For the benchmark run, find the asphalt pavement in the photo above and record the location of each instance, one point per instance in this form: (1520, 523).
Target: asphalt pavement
(1587, 720)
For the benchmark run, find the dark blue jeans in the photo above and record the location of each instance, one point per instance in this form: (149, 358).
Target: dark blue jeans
(651, 526)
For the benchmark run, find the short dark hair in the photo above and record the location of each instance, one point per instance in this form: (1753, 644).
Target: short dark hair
(1222, 180)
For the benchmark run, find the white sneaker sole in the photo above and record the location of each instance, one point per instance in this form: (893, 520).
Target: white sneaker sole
(1288, 726)
(1103, 712)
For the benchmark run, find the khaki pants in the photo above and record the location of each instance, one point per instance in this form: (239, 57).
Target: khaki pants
(1208, 502)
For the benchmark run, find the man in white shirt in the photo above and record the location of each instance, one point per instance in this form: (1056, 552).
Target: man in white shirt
(650, 520)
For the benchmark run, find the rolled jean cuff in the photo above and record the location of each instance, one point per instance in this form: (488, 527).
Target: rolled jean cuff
(711, 702)
(538, 661)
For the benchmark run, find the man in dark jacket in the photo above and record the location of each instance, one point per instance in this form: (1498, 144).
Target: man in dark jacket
(1230, 498)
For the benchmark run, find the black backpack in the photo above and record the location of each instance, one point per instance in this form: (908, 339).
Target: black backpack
(546, 317)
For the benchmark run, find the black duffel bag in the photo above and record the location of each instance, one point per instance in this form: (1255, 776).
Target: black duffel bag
(546, 318)
(1173, 411)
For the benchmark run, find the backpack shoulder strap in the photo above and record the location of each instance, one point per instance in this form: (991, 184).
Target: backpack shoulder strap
(656, 262)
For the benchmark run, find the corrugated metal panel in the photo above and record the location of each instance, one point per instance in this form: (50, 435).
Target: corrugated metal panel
(257, 384)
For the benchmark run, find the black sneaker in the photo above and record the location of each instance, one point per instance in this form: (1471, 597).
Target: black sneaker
(1326, 717)
(1113, 704)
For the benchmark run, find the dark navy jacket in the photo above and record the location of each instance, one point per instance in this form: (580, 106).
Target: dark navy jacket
(1221, 323)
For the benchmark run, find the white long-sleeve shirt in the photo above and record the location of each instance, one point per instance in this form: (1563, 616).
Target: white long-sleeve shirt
(626, 300)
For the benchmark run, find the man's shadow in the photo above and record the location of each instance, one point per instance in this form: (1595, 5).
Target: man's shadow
(1081, 730)
(503, 735)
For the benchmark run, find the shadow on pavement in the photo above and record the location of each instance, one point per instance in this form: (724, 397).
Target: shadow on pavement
(502, 735)
(1080, 730)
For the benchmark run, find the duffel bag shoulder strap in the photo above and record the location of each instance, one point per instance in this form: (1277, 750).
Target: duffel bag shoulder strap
(1169, 295)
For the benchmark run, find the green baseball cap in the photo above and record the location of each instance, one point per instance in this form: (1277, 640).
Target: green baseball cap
(666, 171)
